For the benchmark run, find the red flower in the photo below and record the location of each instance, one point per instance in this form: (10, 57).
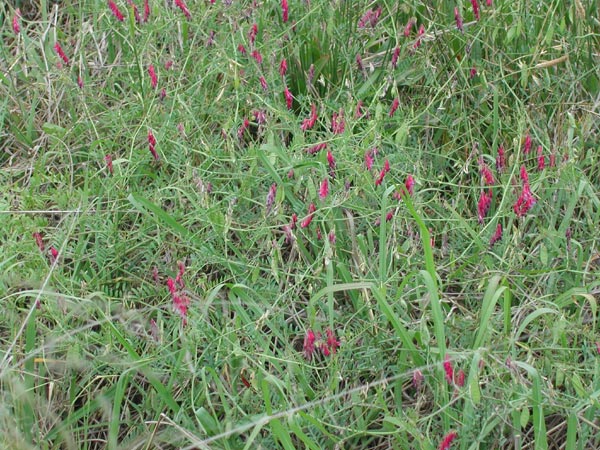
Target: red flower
(184, 9)
(447, 440)
(309, 344)
(486, 173)
(153, 77)
(525, 201)
(257, 56)
(483, 205)
(308, 123)
(243, 127)
(241, 49)
(409, 184)
(458, 18)
(473, 72)
(283, 67)
(284, 10)
(541, 159)
(420, 34)
(263, 83)
(324, 189)
(459, 379)
(146, 10)
(338, 124)
(115, 10)
(359, 62)
(524, 176)
(331, 162)
(500, 159)
(331, 344)
(369, 159)
(309, 217)
(358, 113)
(408, 27)
(252, 34)
(39, 241)
(59, 51)
(527, 144)
(180, 272)
(288, 98)
(316, 148)
(475, 8)
(16, 24)
(448, 369)
(53, 254)
(394, 107)
(497, 235)
(152, 145)
(271, 197)
(109, 163)
(395, 57)
(136, 13)
(386, 169)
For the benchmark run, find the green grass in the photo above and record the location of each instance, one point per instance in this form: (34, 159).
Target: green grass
(93, 353)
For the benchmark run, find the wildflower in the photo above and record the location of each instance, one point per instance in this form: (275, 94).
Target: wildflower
(271, 197)
(39, 241)
(146, 10)
(524, 175)
(420, 34)
(331, 162)
(331, 344)
(252, 34)
(316, 148)
(486, 173)
(527, 144)
(308, 123)
(16, 21)
(153, 77)
(180, 301)
(395, 57)
(60, 52)
(541, 159)
(290, 174)
(408, 27)
(447, 440)
(338, 123)
(358, 112)
(497, 235)
(152, 145)
(53, 254)
(394, 106)
(109, 163)
(115, 10)
(369, 18)
(473, 72)
(448, 369)
(459, 379)
(324, 189)
(79, 82)
(168, 64)
(359, 62)
(155, 276)
(179, 278)
(488, 2)
(243, 127)
(475, 6)
(458, 18)
(331, 237)
(309, 344)
(263, 83)
(483, 205)
(500, 159)
(257, 56)
(386, 169)
(288, 97)
(184, 9)
(294, 220)
(284, 10)
(283, 67)
(309, 217)
(409, 184)
(241, 49)
(136, 13)
(260, 116)
(417, 379)
(525, 201)
(552, 159)
(369, 159)
(162, 95)
(154, 330)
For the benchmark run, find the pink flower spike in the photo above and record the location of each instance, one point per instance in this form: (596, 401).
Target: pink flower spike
(308, 123)
(409, 184)
(332, 343)
(408, 27)
(395, 57)
(525, 201)
(475, 6)
(331, 162)
(283, 67)
(488, 3)
(541, 159)
(309, 217)
(257, 56)
(483, 206)
(359, 62)
(458, 19)
(60, 52)
(39, 241)
(448, 369)
(171, 286)
(136, 13)
(369, 159)
(317, 148)
(386, 169)
(116, 11)
(358, 113)
(459, 380)
(473, 72)
(146, 10)
(394, 107)
(552, 159)
(252, 34)
(16, 21)
(447, 440)
(109, 163)
(324, 189)
(241, 49)
(486, 173)
(152, 145)
(284, 10)
(288, 98)
(80, 82)
(180, 273)
(243, 127)
(497, 235)
(309, 344)
(184, 9)
(500, 159)
(524, 176)
(417, 379)
(527, 145)
(153, 77)
(263, 83)
(53, 254)
(271, 197)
